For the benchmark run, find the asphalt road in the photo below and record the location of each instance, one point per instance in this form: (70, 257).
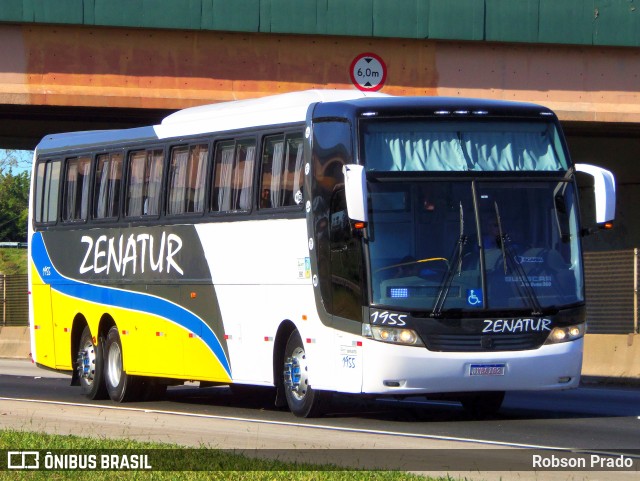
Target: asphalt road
(593, 419)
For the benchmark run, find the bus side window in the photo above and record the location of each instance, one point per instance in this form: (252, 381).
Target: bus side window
(144, 183)
(221, 191)
(47, 189)
(76, 189)
(292, 173)
(243, 175)
(187, 172)
(106, 192)
(272, 155)
(281, 183)
(233, 176)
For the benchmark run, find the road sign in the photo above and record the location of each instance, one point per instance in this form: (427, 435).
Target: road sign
(368, 72)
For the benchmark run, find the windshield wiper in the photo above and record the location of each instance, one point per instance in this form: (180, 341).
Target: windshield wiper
(454, 264)
(508, 256)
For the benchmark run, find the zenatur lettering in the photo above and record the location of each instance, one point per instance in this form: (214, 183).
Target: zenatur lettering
(516, 325)
(132, 254)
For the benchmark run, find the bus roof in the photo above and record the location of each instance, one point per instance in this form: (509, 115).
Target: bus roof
(92, 138)
(277, 110)
(272, 110)
(225, 116)
(456, 107)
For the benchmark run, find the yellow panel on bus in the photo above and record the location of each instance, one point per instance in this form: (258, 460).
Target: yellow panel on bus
(155, 331)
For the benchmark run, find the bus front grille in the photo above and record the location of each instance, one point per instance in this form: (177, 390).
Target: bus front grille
(483, 342)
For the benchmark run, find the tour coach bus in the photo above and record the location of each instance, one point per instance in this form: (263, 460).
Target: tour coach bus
(314, 242)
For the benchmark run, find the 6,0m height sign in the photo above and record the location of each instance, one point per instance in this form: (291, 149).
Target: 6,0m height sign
(368, 72)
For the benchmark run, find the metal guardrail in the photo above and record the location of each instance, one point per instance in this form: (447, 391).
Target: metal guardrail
(15, 300)
(611, 283)
(13, 245)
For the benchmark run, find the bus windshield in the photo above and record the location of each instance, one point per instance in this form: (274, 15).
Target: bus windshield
(474, 245)
(407, 145)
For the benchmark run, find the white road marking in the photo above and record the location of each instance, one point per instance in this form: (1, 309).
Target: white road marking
(314, 426)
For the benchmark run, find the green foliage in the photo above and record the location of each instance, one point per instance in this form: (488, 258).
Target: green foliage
(13, 261)
(14, 205)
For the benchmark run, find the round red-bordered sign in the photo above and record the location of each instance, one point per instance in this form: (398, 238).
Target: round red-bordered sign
(368, 72)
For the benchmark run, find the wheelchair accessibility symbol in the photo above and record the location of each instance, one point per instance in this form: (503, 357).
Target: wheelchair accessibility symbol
(474, 297)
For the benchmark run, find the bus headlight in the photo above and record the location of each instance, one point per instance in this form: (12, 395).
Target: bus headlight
(393, 335)
(566, 334)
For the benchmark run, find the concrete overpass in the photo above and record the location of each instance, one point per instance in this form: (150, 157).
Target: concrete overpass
(89, 64)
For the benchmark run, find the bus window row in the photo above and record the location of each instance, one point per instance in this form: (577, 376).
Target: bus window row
(80, 188)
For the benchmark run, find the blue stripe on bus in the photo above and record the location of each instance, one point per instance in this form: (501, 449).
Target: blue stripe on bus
(123, 299)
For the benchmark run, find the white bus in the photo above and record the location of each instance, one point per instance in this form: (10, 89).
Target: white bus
(314, 242)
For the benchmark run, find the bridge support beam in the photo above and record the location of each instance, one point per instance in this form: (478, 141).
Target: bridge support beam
(168, 69)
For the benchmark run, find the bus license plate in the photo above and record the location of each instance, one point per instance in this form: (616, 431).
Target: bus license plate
(487, 370)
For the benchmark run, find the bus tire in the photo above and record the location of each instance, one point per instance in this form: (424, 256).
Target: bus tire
(120, 386)
(302, 399)
(483, 404)
(90, 366)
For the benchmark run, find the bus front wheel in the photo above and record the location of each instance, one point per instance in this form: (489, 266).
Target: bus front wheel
(90, 366)
(120, 386)
(302, 399)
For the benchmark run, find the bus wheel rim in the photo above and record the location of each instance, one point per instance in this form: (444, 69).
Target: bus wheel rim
(87, 362)
(299, 375)
(114, 364)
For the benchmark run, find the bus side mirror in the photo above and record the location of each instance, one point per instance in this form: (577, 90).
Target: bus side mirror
(597, 189)
(355, 187)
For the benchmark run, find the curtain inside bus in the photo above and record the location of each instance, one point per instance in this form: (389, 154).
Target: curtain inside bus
(410, 145)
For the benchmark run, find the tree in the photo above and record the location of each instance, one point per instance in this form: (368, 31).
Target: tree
(14, 206)
(14, 194)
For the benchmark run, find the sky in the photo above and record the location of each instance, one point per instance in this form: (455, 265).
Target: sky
(24, 159)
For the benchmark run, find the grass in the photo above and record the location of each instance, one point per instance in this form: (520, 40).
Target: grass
(13, 261)
(223, 465)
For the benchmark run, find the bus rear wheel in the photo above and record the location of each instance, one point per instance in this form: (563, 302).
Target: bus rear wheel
(302, 399)
(90, 366)
(120, 386)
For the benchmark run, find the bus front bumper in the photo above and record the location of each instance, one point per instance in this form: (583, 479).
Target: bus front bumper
(405, 370)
